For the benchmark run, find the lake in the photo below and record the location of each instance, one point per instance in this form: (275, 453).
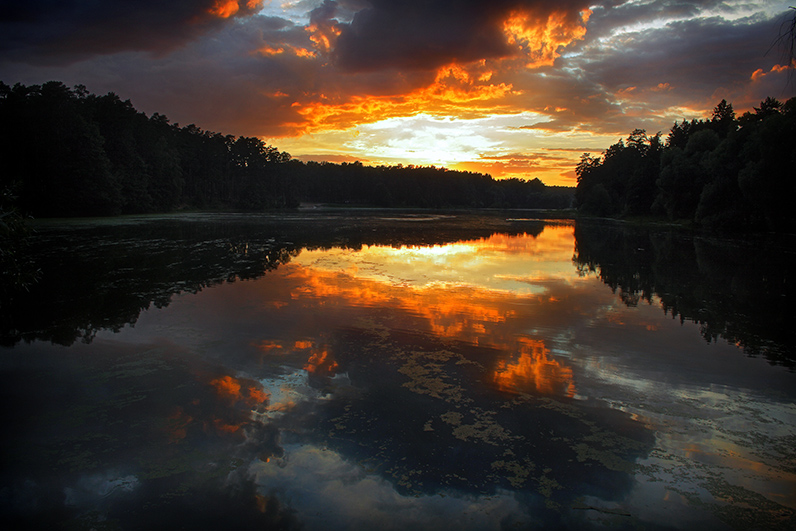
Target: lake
(402, 370)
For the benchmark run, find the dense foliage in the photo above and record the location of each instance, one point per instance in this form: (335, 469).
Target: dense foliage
(71, 153)
(725, 172)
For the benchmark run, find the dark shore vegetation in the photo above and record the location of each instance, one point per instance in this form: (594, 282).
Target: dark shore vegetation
(66, 153)
(726, 173)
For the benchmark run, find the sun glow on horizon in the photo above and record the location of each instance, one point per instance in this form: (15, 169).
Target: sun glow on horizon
(500, 145)
(505, 112)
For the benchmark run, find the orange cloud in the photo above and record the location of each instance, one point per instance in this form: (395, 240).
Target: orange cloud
(455, 90)
(760, 73)
(257, 395)
(301, 345)
(270, 51)
(458, 88)
(461, 87)
(303, 52)
(538, 39)
(224, 427)
(177, 425)
(324, 34)
(268, 346)
(228, 8)
(224, 8)
(459, 84)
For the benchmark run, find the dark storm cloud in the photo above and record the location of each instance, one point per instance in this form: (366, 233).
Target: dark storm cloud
(422, 34)
(274, 77)
(629, 80)
(699, 55)
(609, 15)
(59, 30)
(222, 82)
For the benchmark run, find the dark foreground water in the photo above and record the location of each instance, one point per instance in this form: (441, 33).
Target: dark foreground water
(404, 371)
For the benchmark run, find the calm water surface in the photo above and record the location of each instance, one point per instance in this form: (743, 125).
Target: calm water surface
(341, 371)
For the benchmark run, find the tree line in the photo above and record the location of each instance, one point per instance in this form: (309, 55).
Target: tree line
(726, 172)
(65, 152)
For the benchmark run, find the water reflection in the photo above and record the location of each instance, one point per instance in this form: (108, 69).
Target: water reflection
(534, 371)
(101, 274)
(739, 290)
(479, 381)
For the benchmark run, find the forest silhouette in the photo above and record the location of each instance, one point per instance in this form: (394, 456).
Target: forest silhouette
(723, 173)
(66, 152)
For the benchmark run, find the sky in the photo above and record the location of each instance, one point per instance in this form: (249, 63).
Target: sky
(512, 88)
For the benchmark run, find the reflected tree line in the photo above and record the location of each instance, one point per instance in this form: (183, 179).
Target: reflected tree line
(66, 152)
(102, 277)
(727, 172)
(85, 288)
(736, 290)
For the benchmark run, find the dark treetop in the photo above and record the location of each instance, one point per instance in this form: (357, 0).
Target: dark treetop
(724, 173)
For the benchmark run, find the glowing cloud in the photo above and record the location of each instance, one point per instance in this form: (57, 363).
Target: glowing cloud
(759, 74)
(310, 76)
(540, 40)
(228, 8)
(227, 386)
(224, 8)
(455, 90)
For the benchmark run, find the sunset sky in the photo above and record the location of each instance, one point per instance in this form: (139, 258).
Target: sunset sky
(513, 88)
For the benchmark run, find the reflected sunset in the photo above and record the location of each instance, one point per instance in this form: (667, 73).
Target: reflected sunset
(509, 264)
(336, 370)
(464, 291)
(480, 292)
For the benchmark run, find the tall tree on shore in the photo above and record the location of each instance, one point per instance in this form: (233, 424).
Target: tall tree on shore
(724, 173)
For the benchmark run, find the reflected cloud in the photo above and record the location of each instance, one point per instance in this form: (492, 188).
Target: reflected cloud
(122, 426)
(334, 493)
(177, 425)
(321, 363)
(534, 370)
(480, 292)
(485, 383)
